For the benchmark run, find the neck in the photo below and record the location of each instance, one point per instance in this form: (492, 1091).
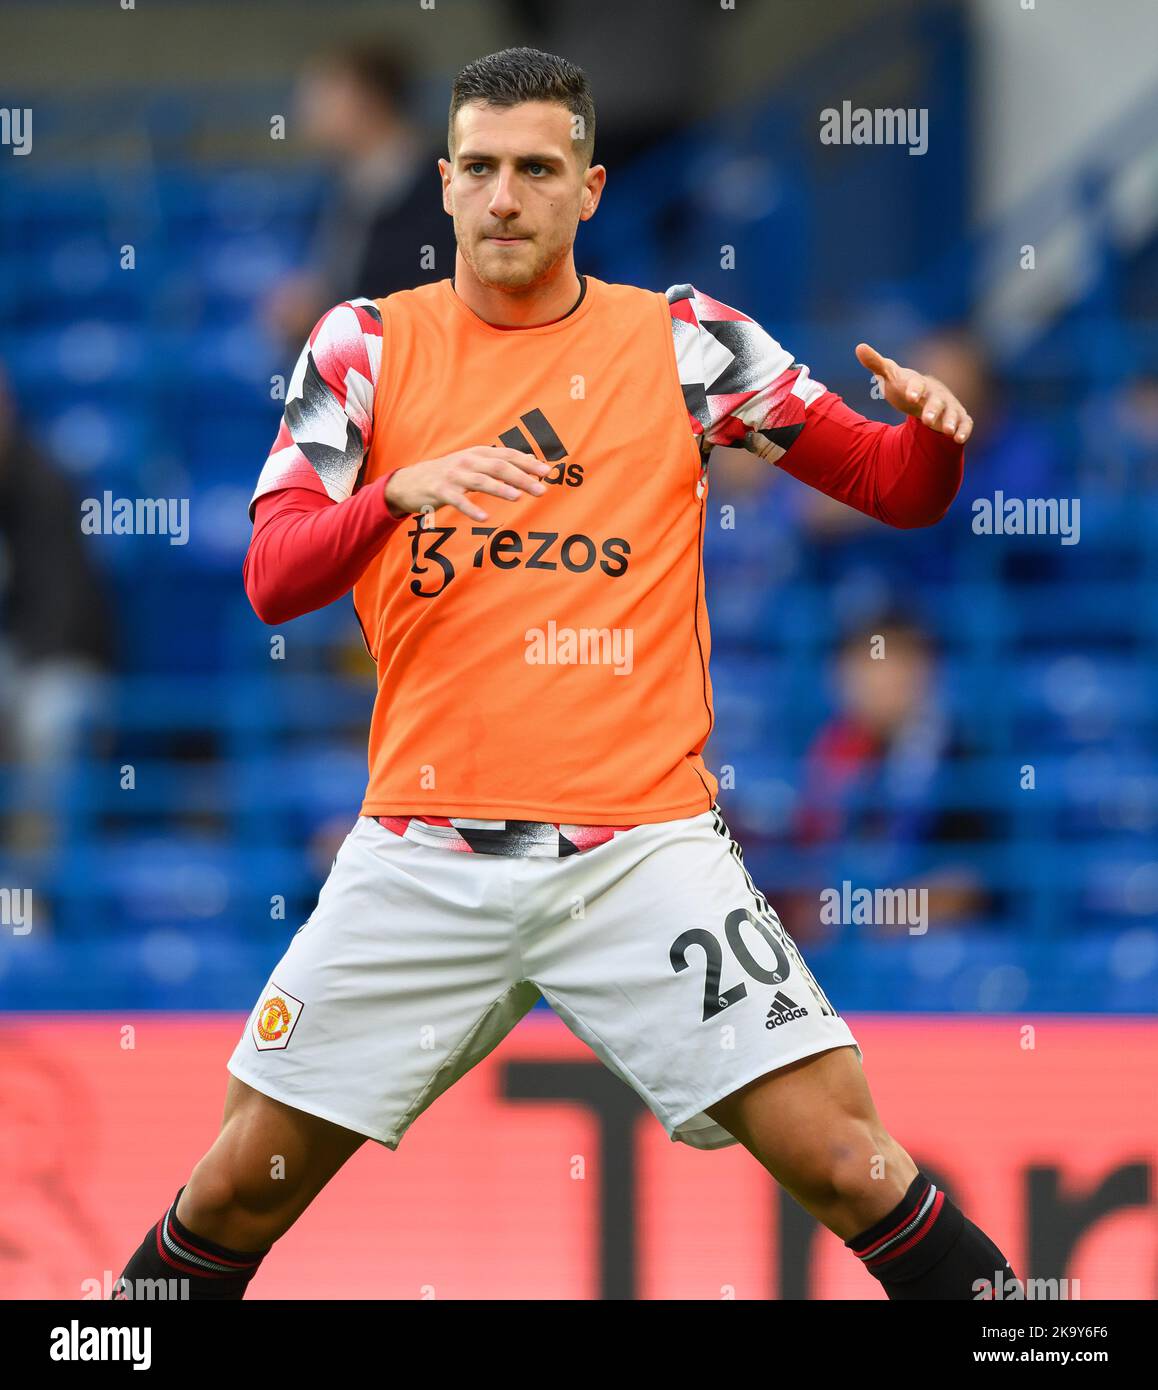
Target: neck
(530, 307)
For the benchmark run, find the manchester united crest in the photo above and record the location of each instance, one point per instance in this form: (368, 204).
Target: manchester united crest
(275, 1019)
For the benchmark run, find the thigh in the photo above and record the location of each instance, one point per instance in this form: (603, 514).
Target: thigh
(266, 1166)
(405, 976)
(256, 1128)
(679, 974)
(798, 1120)
(814, 1127)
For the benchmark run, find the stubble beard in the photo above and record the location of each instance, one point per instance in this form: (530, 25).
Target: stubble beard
(492, 269)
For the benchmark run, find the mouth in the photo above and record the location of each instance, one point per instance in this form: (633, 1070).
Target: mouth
(507, 240)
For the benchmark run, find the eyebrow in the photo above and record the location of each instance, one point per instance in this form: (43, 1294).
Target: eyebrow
(471, 155)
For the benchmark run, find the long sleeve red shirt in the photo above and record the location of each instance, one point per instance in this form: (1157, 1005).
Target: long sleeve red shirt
(307, 550)
(740, 387)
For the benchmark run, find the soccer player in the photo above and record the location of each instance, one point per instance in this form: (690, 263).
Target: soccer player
(509, 469)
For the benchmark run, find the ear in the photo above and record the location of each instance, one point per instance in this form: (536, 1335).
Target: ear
(594, 182)
(445, 169)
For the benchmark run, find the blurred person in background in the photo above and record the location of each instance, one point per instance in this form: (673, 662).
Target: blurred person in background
(55, 633)
(872, 779)
(1010, 450)
(1007, 451)
(354, 107)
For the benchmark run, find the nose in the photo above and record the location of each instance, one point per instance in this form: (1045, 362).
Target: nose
(504, 203)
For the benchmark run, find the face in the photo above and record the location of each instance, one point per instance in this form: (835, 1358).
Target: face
(517, 191)
(336, 111)
(884, 694)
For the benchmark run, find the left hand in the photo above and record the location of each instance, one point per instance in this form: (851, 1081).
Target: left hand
(915, 394)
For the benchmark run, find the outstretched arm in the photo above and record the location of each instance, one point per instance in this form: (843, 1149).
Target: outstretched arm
(741, 388)
(905, 475)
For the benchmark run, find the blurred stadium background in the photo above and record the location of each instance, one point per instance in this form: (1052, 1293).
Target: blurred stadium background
(163, 252)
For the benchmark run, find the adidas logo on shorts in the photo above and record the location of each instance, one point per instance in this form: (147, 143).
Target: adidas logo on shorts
(783, 1010)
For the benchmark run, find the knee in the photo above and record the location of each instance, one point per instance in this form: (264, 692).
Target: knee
(225, 1184)
(858, 1166)
(871, 1160)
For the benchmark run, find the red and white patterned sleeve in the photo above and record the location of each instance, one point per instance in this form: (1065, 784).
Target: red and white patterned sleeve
(741, 388)
(314, 529)
(327, 423)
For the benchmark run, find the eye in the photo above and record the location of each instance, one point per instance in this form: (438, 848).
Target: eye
(532, 167)
(475, 164)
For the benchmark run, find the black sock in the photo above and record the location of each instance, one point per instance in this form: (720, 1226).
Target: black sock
(172, 1253)
(926, 1248)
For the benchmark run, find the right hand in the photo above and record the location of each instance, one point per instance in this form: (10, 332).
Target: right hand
(445, 482)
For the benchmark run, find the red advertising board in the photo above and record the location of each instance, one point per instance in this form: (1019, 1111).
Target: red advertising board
(505, 1189)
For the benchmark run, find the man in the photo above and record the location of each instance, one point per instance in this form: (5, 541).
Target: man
(56, 638)
(871, 804)
(379, 229)
(539, 820)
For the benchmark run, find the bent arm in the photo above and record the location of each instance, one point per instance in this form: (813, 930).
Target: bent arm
(743, 389)
(905, 475)
(308, 550)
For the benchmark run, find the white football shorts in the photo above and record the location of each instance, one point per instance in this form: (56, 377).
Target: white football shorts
(654, 948)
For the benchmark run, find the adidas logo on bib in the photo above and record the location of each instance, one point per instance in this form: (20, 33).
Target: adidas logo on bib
(783, 1010)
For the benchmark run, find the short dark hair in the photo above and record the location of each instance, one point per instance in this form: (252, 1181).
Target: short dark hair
(382, 70)
(515, 75)
(892, 620)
